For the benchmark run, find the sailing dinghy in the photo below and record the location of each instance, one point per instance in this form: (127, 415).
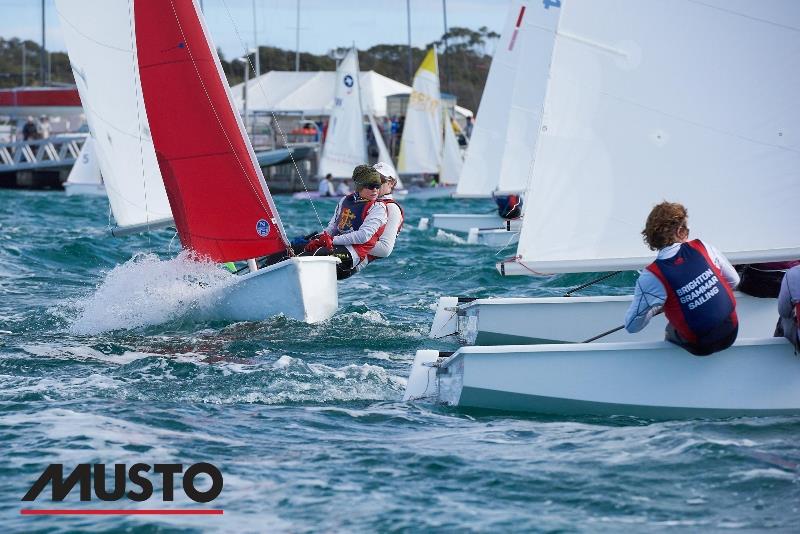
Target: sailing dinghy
(628, 122)
(345, 141)
(500, 151)
(428, 144)
(159, 106)
(84, 177)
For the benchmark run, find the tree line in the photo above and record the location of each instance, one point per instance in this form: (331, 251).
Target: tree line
(462, 71)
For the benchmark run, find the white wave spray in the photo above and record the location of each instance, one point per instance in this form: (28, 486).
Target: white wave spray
(146, 290)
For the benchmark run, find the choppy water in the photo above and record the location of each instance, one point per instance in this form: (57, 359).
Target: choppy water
(102, 361)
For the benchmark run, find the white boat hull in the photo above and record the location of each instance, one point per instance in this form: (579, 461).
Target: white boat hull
(95, 190)
(755, 377)
(503, 321)
(301, 288)
(466, 222)
(463, 222)
(498, 238)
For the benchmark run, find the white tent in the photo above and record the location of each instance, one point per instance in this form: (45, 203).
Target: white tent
(311, 92)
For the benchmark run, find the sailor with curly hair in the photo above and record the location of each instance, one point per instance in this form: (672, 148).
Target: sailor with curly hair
(690, 280)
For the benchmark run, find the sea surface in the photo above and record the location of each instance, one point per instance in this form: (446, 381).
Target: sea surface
(102, 361)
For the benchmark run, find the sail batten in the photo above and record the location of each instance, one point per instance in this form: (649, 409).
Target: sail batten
(220, 202)
(634, 116)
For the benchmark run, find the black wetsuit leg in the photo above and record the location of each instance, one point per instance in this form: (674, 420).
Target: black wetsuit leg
(718, 339)
(345, 268)
(760, 283)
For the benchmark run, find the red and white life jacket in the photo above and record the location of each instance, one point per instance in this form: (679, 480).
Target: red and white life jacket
(352, 213)
(698, 297)
(402, 213)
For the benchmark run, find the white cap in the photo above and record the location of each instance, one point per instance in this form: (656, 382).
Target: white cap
(385, 170)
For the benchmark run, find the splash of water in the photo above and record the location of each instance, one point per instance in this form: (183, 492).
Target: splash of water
(447, 237)
(146, 290)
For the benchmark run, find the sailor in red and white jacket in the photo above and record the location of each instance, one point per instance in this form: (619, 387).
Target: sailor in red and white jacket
(690, 280)
(385, 245)
(356, 225)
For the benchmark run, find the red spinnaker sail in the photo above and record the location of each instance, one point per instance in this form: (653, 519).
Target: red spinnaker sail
(220, 202)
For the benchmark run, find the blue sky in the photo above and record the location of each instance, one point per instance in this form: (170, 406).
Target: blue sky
(324, 24)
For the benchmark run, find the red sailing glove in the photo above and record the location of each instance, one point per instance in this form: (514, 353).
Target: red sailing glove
(323, 241)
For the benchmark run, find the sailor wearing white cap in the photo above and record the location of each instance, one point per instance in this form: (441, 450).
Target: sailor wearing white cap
(394, 223)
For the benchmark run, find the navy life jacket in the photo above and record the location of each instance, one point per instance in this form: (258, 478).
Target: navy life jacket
(353, 211)
(699, 299)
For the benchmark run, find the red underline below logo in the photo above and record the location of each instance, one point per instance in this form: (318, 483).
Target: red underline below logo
(25, 511)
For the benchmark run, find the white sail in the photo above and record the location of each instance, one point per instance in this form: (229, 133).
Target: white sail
(451, 154)
(421, 144)
(500, 151)
(383, 152)
(345, 143)
(102, 54)
(693, 102)
(86, 171)
(535, 40)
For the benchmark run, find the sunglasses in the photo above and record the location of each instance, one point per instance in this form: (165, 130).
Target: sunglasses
(372, 186)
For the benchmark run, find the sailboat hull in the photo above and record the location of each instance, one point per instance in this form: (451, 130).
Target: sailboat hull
(427, 193)
(495, 238)
(755, 377)
(464, 222)
(503, 321)
(300, 288)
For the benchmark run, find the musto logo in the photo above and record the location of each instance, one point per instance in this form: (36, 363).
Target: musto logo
(92, 478)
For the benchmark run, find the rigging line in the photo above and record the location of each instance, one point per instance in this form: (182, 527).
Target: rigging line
(591, 283)
(516, 259)
(136, 86)
(510, 239)
(272, 113)
(454, 314)
(744, 15)
(216, 115)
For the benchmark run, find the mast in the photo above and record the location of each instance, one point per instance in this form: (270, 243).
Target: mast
(255, 41)
(444, 55)
(297, 41)
(42, 52)
(408, 23)
(365, 156)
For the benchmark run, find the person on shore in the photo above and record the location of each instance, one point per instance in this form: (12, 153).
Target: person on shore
(326, 188)
(690, 280)
(394, 223)
(29, 131)
(44, 127)
(789, 307)
(342, 189)
(356, 226)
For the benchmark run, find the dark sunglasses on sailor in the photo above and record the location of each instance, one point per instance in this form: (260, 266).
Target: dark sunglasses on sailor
(372, 186)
